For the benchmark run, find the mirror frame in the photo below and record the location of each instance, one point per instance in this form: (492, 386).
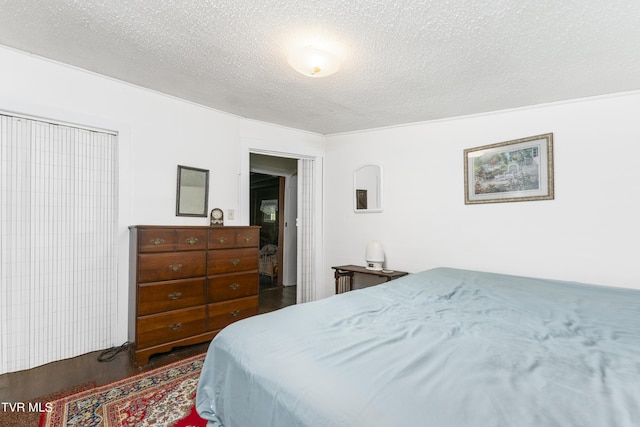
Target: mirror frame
(355, 190)
(205, 175)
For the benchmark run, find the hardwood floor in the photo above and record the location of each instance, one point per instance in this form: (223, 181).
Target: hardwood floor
(275, 298)
(27, 385)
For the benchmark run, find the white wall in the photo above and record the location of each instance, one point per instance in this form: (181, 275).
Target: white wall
(157, 133)
(589, 233)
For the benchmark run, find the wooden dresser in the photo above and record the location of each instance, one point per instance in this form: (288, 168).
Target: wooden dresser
(187, 283)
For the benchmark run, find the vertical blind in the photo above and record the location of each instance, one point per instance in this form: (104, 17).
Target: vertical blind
(306, 237)
(58, 231)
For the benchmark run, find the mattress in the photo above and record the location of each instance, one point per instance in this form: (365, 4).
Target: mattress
(443, 347)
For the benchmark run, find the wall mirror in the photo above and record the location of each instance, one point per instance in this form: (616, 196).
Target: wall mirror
(192, 192)
(367, 188)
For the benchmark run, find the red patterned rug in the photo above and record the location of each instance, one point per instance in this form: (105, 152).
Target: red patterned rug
(161, 397)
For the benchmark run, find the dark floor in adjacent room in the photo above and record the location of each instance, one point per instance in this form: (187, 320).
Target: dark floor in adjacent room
(26, 385)
(274, 297)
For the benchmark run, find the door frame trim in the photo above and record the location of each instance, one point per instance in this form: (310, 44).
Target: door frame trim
(294, 151)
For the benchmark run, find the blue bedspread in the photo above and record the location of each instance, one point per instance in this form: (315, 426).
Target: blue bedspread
(441, 348)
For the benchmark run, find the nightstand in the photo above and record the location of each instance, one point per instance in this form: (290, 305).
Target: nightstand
(348, 271)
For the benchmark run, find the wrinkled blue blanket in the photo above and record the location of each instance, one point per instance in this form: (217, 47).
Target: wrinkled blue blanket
(442, 348)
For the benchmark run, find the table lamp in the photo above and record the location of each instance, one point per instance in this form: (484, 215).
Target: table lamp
(374, 255)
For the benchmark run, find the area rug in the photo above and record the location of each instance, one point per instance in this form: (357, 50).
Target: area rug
(30, 417)
(161, 397)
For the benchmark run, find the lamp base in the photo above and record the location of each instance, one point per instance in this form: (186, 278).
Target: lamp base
(373, 265)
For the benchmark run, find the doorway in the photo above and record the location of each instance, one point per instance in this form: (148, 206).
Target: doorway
(267, 206)
(273, 207)
(306, 222)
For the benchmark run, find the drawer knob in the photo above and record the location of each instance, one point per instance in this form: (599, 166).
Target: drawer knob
(175, 295)
(175, 267)
(175, 326)
(221, 240)
(235, 261)
(248, 239)
(192, 241)
(235, 313)
(234, 286)
(157, 241)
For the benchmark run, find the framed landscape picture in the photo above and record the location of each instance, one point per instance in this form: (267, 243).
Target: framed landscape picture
(510, 171)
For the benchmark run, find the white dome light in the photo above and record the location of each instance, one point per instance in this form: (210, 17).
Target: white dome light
(313, 62)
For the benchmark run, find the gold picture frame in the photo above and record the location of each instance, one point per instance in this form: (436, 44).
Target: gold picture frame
(510, 171)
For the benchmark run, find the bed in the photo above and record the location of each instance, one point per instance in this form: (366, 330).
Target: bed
(443, 347)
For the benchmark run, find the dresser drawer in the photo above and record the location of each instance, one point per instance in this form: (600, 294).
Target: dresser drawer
(232, 260)
(191, 239)
(222, 238)
(232, 237)
(157, 297)
(248, 238)
(156, 240)
(224, 313)
(166, 327)
(231, 286)
(170, 266)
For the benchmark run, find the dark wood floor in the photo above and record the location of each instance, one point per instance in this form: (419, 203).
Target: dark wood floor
(26, 385)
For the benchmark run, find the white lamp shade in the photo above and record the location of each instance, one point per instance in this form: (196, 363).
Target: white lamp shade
(313, 62)
(374, 255)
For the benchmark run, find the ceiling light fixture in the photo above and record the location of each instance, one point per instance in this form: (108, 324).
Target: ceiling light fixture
(313, 62)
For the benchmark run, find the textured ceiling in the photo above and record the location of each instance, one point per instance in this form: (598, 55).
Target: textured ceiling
(403, 61)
